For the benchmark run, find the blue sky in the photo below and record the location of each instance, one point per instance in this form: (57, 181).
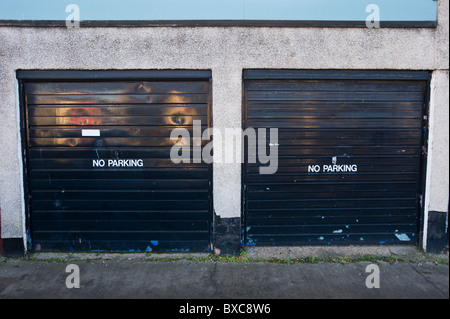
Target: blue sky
(390, 10)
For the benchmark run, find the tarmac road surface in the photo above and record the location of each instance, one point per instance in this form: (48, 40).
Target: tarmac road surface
(185, 279)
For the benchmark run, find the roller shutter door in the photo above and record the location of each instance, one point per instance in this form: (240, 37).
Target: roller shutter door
(350, 157)
(99, 172)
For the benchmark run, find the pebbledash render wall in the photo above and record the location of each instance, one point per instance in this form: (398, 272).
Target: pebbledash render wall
(227, 51)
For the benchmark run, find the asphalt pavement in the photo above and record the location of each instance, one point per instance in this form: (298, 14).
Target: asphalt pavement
(191, 277)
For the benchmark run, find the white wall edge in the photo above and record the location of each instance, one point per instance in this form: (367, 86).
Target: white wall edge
(20, 163)
(429, 159)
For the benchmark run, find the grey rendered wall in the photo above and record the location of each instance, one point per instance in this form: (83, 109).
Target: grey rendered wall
(437, 180)
(226, 51)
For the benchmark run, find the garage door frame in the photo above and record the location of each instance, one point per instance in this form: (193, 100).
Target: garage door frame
(24, 76)
(335, 74)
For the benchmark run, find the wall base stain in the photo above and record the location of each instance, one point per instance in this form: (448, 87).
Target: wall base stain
(227, 236)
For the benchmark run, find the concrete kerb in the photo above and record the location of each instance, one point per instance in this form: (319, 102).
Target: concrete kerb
(261, 254)
(406, 252)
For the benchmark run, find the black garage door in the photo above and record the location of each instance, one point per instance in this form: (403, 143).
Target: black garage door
(99, 172)
(350, 157)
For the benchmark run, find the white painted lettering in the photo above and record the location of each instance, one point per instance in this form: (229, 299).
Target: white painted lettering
(118, 163)
(98, 163)
(313, 168)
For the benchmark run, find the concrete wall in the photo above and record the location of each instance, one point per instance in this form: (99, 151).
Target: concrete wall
(226, 51)
(438, 160)
(437, 182)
